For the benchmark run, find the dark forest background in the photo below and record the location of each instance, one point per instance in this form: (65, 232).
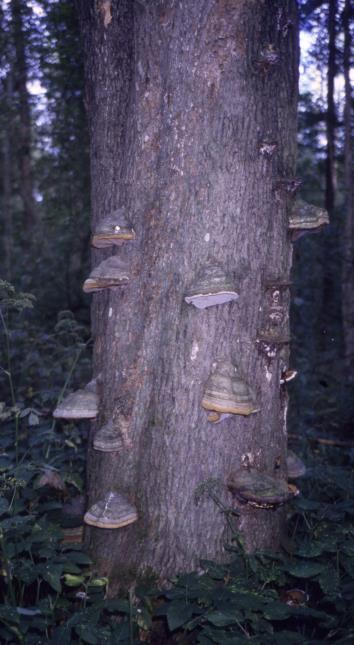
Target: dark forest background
(45, 250)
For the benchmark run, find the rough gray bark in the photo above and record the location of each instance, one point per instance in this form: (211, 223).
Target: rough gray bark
(348, 237)
(182, 98)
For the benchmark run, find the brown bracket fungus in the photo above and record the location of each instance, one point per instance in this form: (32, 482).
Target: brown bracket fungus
(82, 404)
(114, 229)
(295, 465)
(306, 218)
(112, 272)
(108, 439)
(112, 512)
(212, 287)
(287, 375)
(259, 490)
(227, 393)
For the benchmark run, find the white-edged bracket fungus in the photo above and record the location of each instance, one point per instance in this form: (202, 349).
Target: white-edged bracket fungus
(112, 272)
(212, 287)
(295, 465)
(227, 393)
(287, 375)
(108, 438)
(82, 404)
(259, 490)
(114, 229)
(112, 512)
(306, 218)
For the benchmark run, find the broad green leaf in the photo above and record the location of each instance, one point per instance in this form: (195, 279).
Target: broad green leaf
(178, 613)
(73, 581)
(222, 618)
(305, 569)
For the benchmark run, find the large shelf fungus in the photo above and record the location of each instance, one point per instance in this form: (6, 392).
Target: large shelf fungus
(112, 272)
(109, 438)
(227, 393)
(114, 229)
(112, 512)
(212, 287)
(260, 490)
(306, 218)
(82, 404)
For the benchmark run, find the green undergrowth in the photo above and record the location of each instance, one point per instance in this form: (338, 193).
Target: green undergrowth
(49, 590)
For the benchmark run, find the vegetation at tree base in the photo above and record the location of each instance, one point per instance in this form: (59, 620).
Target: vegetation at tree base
(50, 590)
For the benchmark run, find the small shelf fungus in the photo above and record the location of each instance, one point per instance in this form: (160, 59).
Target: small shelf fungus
(108, 438)
(112, 272)
(112, 512)
(295, 465)
(287, 375)
(82, 404)
(227, 393)
(259, 490)
(212, 287)
(114, 229)
(306, 218)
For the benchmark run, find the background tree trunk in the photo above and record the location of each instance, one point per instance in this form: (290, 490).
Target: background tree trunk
(331, 110)
(24, 117)
(348, 255)
(180, 98)
(6, 178)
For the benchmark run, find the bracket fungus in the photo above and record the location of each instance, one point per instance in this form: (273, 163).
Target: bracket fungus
(108, 438)
(112, 512)
(306, 218)
(287, 375)
(295, 465)
(227, 393)
(259, 490)
(114, 229)
(212, 287)
(82, 404)
(112, 272)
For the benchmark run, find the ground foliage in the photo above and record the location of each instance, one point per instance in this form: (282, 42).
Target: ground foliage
(50, 592)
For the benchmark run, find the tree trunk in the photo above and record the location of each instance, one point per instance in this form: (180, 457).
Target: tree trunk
(24, 117)
(6, 180)
(331, 110)
(348, 235)
(192, 110)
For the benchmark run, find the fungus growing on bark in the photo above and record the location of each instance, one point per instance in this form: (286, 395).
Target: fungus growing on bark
(306, 218)
(82, 404)
(108, 438)
(259, 490)
(217, 417)
(112, 272)
(112, 512)
(295, 465)
(114, 229)
(268, 148)
(212, 287)
(268, 58)
(287, 375)
(226, 392)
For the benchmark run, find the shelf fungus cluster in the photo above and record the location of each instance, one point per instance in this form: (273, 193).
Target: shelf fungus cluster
(112, 272)
(306, 218)
(212, 287)
(227, 393)
(114, 229)
(112, 512)
(82, 404)
(260, 490)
